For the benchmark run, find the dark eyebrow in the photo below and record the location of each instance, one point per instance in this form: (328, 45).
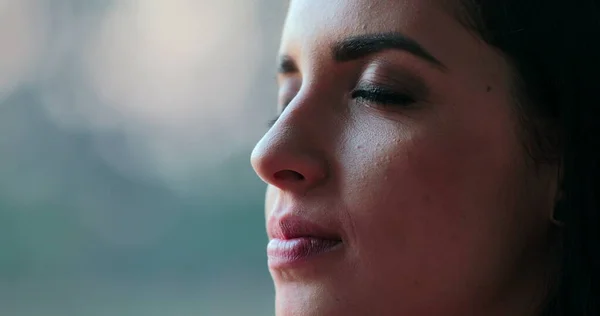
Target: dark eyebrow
(360, 46)
(357, 47)
(286, 65)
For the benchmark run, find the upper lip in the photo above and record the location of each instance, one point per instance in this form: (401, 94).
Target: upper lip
(292, 227)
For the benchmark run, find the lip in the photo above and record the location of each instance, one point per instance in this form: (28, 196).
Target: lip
(295, 240)
(291, 227)
(287, 253)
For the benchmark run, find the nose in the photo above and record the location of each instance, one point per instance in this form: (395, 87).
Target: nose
(289, 157)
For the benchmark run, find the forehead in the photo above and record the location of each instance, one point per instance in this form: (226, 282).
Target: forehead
(319, 20)
(371, 12)
(313, 26)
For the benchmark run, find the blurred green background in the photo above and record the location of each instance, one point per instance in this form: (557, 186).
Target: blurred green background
(125, 133)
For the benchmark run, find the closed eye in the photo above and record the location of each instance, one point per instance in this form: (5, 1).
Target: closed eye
(272, 121)
(382, 96)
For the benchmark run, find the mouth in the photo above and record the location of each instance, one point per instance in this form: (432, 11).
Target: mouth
(295, 241)
(287, 253)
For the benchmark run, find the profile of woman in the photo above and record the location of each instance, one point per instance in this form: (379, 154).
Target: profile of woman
(435, 158)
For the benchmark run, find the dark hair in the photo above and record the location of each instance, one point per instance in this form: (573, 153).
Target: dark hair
(554, 49)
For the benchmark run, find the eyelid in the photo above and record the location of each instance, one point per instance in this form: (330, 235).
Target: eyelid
(388, 91)
(383, 88)
(385, 73)
(371, 94)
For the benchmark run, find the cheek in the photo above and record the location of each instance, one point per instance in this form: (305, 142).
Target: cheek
(450, 167)
(426, 168)
(432, 199)
(408, 184)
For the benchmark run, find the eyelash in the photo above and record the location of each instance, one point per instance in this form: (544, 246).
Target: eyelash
(380, 96)
(272, 121)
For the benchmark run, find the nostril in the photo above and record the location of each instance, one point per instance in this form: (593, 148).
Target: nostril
(288, 175)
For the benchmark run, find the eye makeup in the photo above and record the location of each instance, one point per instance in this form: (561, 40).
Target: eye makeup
(385, 85)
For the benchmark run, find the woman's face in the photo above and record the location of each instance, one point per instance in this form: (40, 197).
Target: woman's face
(398, 180)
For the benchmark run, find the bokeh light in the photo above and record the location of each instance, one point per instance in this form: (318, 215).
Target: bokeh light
(125, 133)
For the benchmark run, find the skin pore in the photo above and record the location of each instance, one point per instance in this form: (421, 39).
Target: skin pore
(398, 132)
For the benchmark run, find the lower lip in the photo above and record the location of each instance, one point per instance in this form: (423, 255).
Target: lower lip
(283, 253)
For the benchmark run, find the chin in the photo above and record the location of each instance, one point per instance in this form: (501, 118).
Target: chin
(310, 300)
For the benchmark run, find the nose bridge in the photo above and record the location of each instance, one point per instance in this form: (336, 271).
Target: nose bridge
(293, 155)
